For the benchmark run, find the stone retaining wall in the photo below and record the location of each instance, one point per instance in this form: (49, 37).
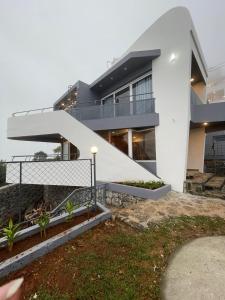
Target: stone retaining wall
(120, 199)
(10, 201)
(54, 194)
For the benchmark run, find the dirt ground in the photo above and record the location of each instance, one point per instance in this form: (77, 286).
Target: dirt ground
(174, 204)
(112, 261)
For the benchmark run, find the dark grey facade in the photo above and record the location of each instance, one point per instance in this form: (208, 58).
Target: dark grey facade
(117, 101)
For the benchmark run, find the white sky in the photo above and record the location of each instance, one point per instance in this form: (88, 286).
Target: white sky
(46, 45)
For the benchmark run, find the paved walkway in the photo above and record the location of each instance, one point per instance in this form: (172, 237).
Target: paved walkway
(173, 204)
(197, 271)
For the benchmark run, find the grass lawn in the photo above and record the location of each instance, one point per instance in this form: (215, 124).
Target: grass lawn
(113, 261)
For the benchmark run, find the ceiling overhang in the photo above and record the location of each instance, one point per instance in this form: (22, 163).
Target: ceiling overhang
(129, 63)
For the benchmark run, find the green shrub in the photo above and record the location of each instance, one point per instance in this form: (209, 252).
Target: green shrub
(69, 208)
(43, 222)
(10, 232)
(151, 185)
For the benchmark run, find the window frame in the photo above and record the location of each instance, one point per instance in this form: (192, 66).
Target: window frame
(128, 85)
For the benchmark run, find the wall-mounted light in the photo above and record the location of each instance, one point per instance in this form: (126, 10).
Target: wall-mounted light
(205, 123)
(94, 149)
(192, 79)
(172, 57)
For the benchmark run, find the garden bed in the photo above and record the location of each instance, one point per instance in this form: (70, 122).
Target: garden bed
(35, 239)
(30, 245)
(145, 193)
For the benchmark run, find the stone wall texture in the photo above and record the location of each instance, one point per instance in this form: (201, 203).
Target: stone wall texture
(11, 201)
(121, 199)
(55, 194)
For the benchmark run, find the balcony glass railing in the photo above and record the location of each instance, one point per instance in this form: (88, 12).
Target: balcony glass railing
(124, 107)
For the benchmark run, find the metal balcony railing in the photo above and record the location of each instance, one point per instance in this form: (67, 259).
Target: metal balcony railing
(41, 157)
(121, 108)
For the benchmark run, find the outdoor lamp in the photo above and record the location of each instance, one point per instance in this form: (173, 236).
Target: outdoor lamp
(172, 57)
(94, 149)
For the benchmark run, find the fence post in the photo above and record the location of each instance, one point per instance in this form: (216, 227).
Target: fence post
(94, 150)
(20, 192)
(94, 165)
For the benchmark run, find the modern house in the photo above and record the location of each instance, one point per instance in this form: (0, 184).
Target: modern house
(148, 113)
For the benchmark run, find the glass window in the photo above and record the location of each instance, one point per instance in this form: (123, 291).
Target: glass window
(123, 96)
(108, 100)
(108, 108)
(141, 96)
(143, 144)
(118, 138)
(142, 89)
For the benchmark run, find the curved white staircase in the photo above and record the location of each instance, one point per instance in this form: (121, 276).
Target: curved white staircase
(112, 164)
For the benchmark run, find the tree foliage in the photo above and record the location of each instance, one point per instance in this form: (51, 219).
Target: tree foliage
(40, 155)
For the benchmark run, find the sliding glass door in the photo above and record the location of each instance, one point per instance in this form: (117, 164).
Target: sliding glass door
(142, 94)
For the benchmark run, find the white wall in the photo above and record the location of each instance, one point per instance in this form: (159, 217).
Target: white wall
(112, 164)
(196, 149)
(171, 88)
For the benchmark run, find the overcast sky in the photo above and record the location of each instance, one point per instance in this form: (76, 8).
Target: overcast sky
(46, 45)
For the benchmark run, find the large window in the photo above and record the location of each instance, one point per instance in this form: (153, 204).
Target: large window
(118, 138)
(142, 94)
(143, 144)
(139, 144)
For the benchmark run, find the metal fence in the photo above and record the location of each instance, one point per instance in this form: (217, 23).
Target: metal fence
(136, 104)
(78, 174)
(113, 110)
(84, 197)
(215, 151)
(63, 172)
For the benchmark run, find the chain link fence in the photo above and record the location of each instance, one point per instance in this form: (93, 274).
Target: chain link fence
(67, 173)
(78, 175)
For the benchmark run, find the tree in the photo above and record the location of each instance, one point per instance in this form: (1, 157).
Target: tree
(41, 155)
(58, 152)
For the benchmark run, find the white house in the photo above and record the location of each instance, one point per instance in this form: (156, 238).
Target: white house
(148, 114)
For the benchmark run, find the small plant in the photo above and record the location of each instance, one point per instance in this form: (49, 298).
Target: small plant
(69, 207)
(43, 222)
(151, 185)
(10, 232)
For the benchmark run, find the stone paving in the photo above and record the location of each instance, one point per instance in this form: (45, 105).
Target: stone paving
(196, 271)
(143, 213)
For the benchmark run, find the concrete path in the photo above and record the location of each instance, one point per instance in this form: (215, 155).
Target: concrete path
(197, 271)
